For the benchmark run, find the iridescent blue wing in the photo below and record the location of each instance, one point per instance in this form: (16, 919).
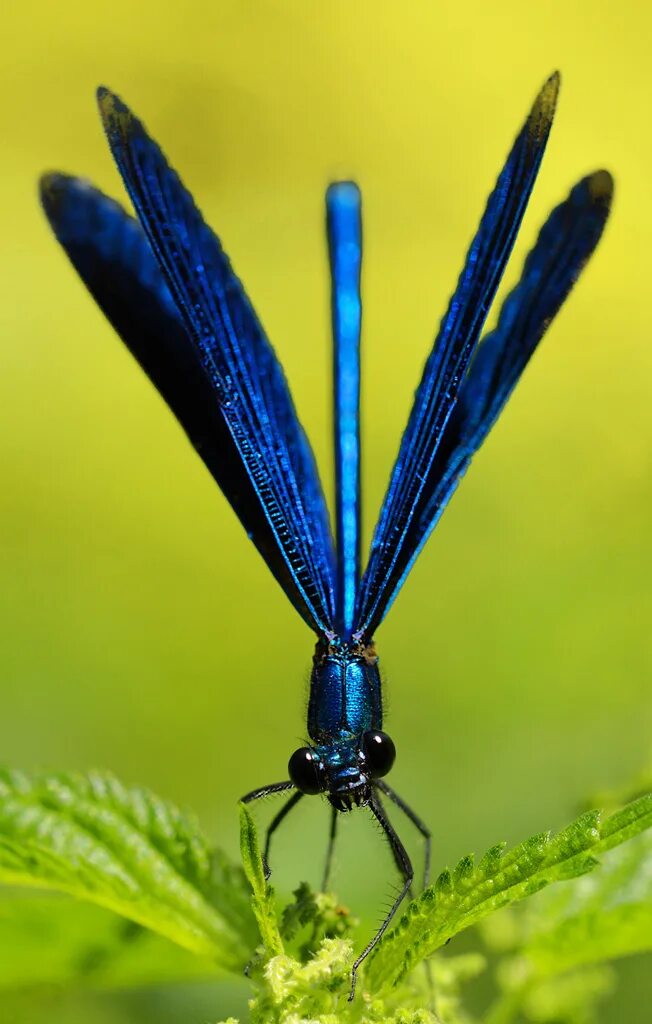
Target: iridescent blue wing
(239, 364)
(563, 247)
(112, 256)
(345, 249)
(565, 243)
(412, 482)
(114, 260)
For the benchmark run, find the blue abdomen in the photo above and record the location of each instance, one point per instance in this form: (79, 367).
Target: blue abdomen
(345, 696)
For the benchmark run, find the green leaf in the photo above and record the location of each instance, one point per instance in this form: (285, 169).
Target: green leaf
(311, 918)
(263, 895)
(563, 940)
(461, 899)
(230, 894)
(572, 998)
(121, 848)
(606, 916)
(133, 854)
(49, 940)
(449, 974)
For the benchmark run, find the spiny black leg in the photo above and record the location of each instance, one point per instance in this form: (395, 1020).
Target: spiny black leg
(274, 824)
(329, 852)
(400, 858)
(416, 821)
(258, 794)
(397, 860)
(425, 832)
(274, 787)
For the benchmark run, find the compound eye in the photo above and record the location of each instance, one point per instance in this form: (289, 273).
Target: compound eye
(305, 770)
(380, 753)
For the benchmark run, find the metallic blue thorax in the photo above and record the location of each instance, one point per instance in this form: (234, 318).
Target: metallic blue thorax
(345, 695)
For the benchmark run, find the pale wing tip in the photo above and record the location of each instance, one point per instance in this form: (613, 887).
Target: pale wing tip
(114, 113)
(48, 182)
(601, 187)
(544, 106)
(53, 186)
(550, 90)
(105, 99)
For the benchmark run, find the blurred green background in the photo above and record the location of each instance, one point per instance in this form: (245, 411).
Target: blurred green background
(139, 629)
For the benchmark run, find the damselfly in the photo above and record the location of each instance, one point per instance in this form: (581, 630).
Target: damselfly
(167, 287)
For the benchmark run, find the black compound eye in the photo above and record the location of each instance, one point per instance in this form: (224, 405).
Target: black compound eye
(380, 753)
(305, 770)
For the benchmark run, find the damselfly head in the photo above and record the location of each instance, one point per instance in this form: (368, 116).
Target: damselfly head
(344, 770)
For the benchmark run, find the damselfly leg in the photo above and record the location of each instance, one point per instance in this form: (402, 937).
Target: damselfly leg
(420, 825)
(329, 852)
(404, 865)
(261, 793)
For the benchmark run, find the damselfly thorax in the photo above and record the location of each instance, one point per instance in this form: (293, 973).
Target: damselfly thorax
(345, 719)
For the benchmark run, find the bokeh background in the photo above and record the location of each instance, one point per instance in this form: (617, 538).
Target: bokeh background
(139, 630)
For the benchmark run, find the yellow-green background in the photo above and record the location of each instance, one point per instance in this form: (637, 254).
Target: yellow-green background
(139, 630)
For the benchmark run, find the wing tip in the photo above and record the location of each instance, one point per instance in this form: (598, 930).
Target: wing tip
(116, 115)
(48, 181)
(52, 188)
(104, 98)
(601, 187)
(550, 88)
(592, 195)
(543, 108)
(57, 185)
